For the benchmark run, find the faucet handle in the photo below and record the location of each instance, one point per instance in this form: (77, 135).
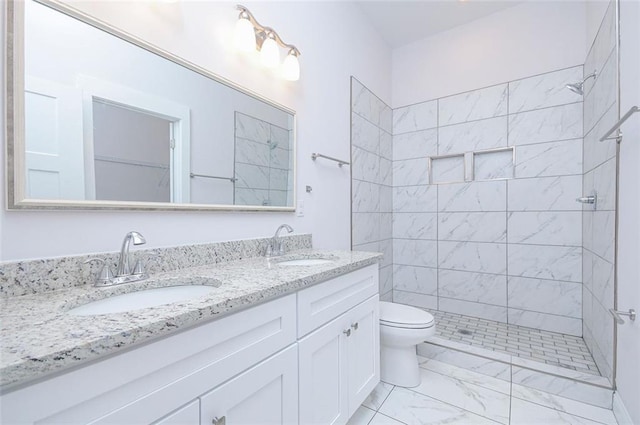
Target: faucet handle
(138, 268)
(105, 275)
(268, 252)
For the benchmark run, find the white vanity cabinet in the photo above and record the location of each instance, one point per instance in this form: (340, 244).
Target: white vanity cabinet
(340, 361)
(308, 357)
(146, 384)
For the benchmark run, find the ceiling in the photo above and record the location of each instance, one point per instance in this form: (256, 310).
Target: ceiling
(402, 22)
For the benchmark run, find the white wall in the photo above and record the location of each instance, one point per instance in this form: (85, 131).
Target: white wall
(515, 43)
(595, 11)
(201, 32)
(628, 374)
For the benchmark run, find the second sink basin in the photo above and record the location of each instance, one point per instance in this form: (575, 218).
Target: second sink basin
(304, 262)
(142, 299)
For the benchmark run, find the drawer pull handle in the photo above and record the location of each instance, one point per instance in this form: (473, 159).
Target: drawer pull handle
(354, 326)
(347, 332)
(219, 421)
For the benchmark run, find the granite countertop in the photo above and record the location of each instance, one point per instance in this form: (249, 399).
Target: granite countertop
(38, 337)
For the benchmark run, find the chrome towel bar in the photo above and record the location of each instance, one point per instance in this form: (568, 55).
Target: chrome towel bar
(340, 162)
(617, 125)
(616, 315)
(231, 179)
(587, 199)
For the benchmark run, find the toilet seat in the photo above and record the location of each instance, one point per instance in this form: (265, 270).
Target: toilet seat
(403, 316)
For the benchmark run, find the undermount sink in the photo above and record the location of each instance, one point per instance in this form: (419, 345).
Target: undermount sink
(305, 262)
(142, 299)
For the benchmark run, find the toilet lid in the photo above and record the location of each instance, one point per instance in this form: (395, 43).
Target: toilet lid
(404, 316)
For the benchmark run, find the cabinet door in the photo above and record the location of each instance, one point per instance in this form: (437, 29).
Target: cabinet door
(323, 375)
(265, 394)
(363, 351)
(187, 415)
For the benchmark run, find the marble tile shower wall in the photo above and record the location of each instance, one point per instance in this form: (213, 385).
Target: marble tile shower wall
(371, 179)
(262, 162)
(506, 250)
(600, 113)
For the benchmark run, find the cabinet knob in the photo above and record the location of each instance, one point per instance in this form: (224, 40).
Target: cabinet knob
(219, 421)
(347, 332)
(354, 326)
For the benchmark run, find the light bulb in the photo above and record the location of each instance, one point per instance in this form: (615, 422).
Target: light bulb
(291, 67)
(244, 37)
(270, 54)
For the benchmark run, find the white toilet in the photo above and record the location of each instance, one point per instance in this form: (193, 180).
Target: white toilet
(402, 328)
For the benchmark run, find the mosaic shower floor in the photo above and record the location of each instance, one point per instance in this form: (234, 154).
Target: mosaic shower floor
(566, 351)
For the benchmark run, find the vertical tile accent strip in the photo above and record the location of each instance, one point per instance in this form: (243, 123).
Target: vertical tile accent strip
(372, 174)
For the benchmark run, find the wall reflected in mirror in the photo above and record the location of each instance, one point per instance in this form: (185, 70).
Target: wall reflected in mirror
(106, 120)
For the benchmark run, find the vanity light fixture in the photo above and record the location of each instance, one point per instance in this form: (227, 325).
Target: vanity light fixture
(250, 36)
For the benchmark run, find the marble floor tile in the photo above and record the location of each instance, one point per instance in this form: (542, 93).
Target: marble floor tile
(453, 395)
(567, 388)
(380, 419)
(562, 404)
(465, 395)
(464, 360)
(362, 416)
(525, 413)
(378, 395)
(466, 375)
(413, 408)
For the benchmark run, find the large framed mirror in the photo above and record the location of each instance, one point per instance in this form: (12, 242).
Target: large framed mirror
(98, 119)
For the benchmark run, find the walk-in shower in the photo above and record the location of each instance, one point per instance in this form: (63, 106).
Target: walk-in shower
(500, 239)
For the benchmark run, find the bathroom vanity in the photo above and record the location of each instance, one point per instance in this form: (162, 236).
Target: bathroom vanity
(300, 346)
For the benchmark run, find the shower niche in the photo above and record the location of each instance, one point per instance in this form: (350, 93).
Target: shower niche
(485, 165)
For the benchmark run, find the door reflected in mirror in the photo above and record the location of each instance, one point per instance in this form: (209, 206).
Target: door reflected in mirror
(131, 146)
(110, 122)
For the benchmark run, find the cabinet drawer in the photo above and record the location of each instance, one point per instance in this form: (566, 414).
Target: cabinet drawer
(155, 379)
(321, 303)
(187, 415)
(265, 394)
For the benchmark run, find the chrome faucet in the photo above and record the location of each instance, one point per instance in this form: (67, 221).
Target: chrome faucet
(276, 246)
(123, 262)
(124, 273)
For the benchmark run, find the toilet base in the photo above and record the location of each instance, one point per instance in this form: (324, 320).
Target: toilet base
(399, 366)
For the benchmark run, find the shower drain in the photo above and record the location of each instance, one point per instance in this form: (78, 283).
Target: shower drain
(465, 332)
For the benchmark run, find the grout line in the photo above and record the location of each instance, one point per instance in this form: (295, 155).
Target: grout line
(393, 387)
(387, 416)
(510, 391)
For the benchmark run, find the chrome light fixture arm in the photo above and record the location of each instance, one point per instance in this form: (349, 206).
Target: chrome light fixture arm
(262, 32)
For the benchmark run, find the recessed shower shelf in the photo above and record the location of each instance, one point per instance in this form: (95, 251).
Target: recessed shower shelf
(490, 164)
(494, 164)
(446, 169)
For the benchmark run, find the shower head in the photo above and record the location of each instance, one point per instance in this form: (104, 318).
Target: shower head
(578, 87)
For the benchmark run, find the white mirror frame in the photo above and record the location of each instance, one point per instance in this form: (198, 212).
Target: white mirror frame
(15, 120)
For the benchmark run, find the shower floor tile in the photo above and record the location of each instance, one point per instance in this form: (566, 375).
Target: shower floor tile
(566, 351)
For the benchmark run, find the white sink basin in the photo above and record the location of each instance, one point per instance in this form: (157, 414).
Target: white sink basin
(305, 262)
(142, 299)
